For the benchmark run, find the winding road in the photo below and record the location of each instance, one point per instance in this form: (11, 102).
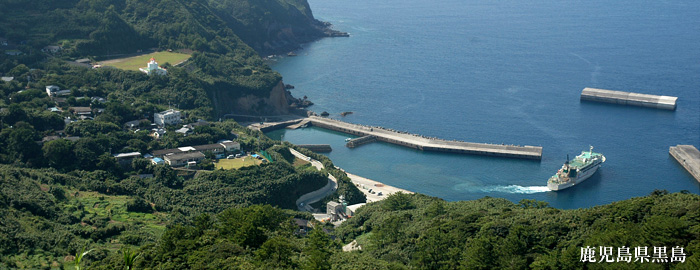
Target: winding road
(316, 195)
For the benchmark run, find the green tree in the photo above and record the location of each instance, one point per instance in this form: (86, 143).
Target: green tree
(276, 252)
(398, 201)
(138, 204)
(480, 253)
(15, 113)
(317, 250)
(19, 71)
(436, 250)
(166, 176)
(129, 257)
(21, 143)
(248, 226)
(79, 257)
(59, 154)
(435, 209)
(531, 203)
(86, 152)
(108, 163)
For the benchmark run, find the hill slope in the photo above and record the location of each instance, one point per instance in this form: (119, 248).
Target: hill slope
(234, 76)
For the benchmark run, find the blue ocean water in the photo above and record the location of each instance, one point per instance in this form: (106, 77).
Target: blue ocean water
(506, 72)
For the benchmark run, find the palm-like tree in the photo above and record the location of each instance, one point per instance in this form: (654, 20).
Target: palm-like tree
(79, 257)
(129, 257)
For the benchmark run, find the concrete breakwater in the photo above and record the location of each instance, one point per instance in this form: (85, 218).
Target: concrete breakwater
(628, 98)
(426, 143)
(361, 140)
(689, 157)
(270, 126)
(318, 148)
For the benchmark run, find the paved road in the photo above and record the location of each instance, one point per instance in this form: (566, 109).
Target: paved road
(316, 195)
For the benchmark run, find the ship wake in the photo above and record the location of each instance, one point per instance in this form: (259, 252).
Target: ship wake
(516, 189)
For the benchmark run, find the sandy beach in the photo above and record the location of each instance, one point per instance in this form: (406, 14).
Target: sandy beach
(365, 185)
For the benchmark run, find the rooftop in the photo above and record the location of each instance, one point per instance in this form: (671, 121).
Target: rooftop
(187, 148)
(228, 144)
(169, 111)
(81, 109)
(178, 156)
(208, 147)
(128, 155)
(166, 151)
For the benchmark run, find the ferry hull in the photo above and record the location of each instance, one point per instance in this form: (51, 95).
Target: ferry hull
(571, 183)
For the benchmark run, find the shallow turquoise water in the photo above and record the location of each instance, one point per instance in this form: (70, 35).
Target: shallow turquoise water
(506, 72)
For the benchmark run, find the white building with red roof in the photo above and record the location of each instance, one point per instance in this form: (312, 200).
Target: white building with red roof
(153, 68)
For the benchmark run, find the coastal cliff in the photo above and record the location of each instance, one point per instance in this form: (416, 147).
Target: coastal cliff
(229, 102)
(273, 26)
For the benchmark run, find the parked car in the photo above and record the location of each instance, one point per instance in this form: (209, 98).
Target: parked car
(230, 157)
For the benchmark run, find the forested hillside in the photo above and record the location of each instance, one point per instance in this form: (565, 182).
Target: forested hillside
(222, 65)
(97, 27)
(46, 215)
(421, 232)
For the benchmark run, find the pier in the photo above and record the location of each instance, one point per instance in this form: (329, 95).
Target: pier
(689, 157)
(428, 144)
(629, 98)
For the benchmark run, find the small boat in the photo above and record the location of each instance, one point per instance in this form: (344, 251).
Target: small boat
(348, 139)
(576, 171)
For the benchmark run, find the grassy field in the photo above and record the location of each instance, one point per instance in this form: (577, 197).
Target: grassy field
(136, 62)
(228, 164)
(298, 162)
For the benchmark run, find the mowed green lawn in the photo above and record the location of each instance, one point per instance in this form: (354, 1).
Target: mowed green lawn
(136, 62)
(228, 164)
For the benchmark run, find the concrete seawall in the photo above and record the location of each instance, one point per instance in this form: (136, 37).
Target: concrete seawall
(628, 98)
(689, 157)
(429, 144)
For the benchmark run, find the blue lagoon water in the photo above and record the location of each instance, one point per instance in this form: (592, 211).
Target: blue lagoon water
(506, 72)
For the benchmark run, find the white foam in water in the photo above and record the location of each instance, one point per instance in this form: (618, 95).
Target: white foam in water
(515, 189)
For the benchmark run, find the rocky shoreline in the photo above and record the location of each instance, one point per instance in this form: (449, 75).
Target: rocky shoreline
(287, 39)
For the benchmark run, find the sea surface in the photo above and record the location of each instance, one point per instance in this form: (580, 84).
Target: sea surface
(506, 72)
